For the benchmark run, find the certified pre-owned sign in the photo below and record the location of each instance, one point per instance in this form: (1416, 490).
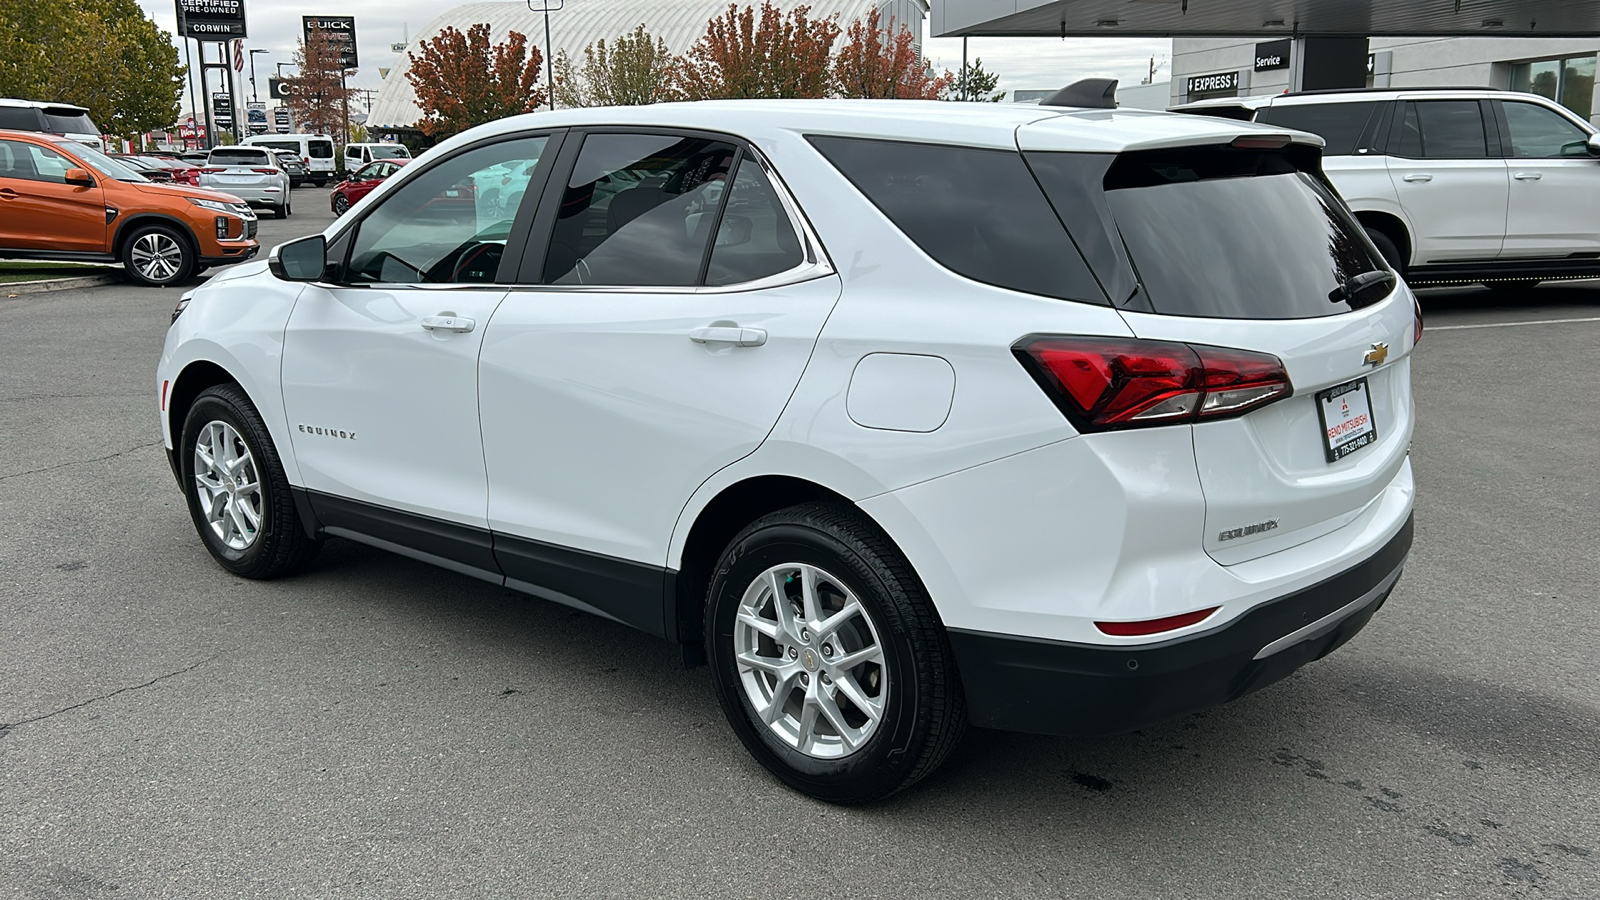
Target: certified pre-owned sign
(211, 20)
(341, 27)
(1205, 84)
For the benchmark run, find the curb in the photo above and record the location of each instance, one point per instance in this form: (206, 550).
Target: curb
(13, 288)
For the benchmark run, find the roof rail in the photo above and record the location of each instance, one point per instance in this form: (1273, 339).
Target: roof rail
(1363, 90)
(1090, 93)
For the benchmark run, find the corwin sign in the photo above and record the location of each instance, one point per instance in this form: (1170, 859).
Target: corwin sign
(1205, 84)
(211, 20)
(341, 27)
(1273, 55)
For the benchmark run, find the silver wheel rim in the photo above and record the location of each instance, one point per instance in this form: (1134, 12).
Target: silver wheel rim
(157, 256)
(228, 485)
(810, 660)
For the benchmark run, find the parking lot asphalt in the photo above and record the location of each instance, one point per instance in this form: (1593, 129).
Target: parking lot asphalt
(376, 727)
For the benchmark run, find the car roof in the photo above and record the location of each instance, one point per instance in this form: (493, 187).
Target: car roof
(38, 136)
(996, 125)
(38, 104)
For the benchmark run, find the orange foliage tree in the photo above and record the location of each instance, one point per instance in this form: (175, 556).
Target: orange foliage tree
(779, 55)
(462, 81)
(877, 61)
(318, 96)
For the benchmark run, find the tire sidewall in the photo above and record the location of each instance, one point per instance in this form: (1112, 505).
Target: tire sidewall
(877, 767)
(1387, 249)
(341, 205)
(184, 271)
(212, 407)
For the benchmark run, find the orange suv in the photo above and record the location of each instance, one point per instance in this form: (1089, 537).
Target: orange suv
(62, 200)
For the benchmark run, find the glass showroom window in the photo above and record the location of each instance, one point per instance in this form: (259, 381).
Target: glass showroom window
(1569, 82)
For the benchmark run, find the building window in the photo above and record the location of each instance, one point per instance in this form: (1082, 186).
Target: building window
(1569, 82)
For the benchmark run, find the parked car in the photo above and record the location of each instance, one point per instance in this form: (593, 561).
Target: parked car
(60, 119)
(64, 200)
(198, 157)
(251, 173)
(293, 167)
(900, 417)
(361, 182)
(145, 167)
(1454, 184)
(357, 155)
(315, 150)
(181, 171)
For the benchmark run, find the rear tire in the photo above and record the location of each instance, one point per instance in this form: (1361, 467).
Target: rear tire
(239, 497)
(320, 182)
(1387, 247)
(853, 693)
(1512, 285)
(158, 256)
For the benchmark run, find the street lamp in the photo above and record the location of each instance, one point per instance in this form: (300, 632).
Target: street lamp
(254, 97)
(547, 7)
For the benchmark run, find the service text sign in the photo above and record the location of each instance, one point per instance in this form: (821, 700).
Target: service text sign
(1273, 55)
(211, 20)
(341, 27)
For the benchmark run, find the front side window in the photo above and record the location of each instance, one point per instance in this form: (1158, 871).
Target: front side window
(450, 223)
(639, 209)
(1443, 129)
(1539, 133)
(1339, 124)
(31, 162)
(755, 239)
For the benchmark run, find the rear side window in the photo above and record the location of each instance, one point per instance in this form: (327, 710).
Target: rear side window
(754, 239)
(286, 146)
(390, 151)
(1236, 234)
(978, 213)
(320, 149)
(69, 121)
(1443, 129)
(1340, 124)
(19, 118)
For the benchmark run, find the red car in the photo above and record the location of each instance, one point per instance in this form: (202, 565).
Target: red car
(361, 182)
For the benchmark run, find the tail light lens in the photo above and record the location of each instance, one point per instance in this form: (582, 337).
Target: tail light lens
(265, 171)
(1107, 383)
(209, 170)
(1416, 335)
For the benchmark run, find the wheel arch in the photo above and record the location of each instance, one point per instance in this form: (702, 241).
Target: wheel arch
(128, 226)
(192, 379)
(1392, 227)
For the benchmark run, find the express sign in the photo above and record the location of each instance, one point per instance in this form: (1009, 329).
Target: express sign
(1206, 84)
(211, 20)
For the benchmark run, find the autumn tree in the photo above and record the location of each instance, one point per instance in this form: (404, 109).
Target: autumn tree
(770, 54)
(462, 80)
(318, 96)
(975, 83)
(634, 70)
(121, 67)
(878, 60)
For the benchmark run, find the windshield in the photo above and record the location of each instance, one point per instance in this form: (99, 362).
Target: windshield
(105, 165)
(1237, 234)
(389, 151)
(69, 121)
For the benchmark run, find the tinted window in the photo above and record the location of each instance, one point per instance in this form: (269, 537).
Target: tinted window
(755, 239)
(449, 224)
(241, 157)
(389, 151)
(287, 146)
(320, 149)
(19, 118)
(638, 210)
(69, 121)
(1235, 234)
(1537, 132)
(1443, 129)
(1340, 124)
(976, 212)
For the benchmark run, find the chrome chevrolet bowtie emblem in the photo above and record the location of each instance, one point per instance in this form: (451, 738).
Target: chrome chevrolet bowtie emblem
(1376, 356)
(809, 660)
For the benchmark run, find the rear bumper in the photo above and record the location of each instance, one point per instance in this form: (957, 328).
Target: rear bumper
(1054, 687)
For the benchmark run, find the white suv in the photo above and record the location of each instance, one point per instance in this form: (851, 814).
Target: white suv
(900, 415)
(1454, 184)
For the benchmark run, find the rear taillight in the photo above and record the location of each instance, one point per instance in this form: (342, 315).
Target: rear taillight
(1416, 334)
(209, 170)
(265, 171)
(1107, 383)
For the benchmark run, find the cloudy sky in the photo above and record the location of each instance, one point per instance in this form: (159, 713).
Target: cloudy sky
(1028, 63)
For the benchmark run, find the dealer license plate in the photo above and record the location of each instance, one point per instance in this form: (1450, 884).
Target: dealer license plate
(1346, 414)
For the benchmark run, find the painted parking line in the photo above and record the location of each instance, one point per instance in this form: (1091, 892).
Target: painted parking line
(1429, 329)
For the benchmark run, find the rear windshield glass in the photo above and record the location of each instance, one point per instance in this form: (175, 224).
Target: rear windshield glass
(1236, 234)
(19, 118)
(68, 121)
(976, 212)
(392, 151)
(240, 158)
(320, 149)
(1340, 124)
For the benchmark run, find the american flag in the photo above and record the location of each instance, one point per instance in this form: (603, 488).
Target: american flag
(238, 57)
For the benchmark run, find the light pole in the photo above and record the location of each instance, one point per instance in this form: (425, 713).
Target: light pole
(547, 7)
(254, 97)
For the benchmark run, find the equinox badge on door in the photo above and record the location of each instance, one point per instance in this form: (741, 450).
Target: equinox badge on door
(1376, 356)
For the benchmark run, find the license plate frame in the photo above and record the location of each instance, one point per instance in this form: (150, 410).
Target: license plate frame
(1359, 434)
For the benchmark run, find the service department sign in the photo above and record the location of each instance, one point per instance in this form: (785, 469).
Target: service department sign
(1273, 55)
(211, 20)
(1206, 84)
(341, 27)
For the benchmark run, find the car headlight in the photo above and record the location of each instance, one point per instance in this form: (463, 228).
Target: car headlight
(218, 205)
(183, 303)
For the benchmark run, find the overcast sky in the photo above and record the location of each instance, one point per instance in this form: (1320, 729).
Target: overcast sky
(1028, 63)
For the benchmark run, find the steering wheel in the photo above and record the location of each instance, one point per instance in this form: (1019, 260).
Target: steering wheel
(484, 254)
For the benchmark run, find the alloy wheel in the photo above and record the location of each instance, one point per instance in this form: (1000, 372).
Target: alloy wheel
(810, 660)
(157, 256)
(228, 485)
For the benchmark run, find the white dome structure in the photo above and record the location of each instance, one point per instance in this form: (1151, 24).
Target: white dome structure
(677, 22)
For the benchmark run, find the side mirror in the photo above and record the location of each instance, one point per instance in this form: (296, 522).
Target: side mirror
(80, 177)
(1593, 145)
(300, 260)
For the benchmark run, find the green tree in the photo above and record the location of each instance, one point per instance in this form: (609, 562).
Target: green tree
(634, 70)
(975, 83)
(121, 67)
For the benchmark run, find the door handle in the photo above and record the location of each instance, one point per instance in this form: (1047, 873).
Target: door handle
(1528, 176)
(729, 334)
(1415, 177)
(8, 194)
(449, 322)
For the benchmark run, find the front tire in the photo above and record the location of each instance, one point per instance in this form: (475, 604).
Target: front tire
(238, 494)
(158, 256)
(341, 205)
(828, 657)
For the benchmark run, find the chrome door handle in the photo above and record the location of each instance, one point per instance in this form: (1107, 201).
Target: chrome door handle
(1528, 176)
(447, 322)
(729, 334)
(1418, 176)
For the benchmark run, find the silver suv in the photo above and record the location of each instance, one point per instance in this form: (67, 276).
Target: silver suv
(1454, 184)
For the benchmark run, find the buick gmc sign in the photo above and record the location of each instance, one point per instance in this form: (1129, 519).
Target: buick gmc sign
(1206, 84)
